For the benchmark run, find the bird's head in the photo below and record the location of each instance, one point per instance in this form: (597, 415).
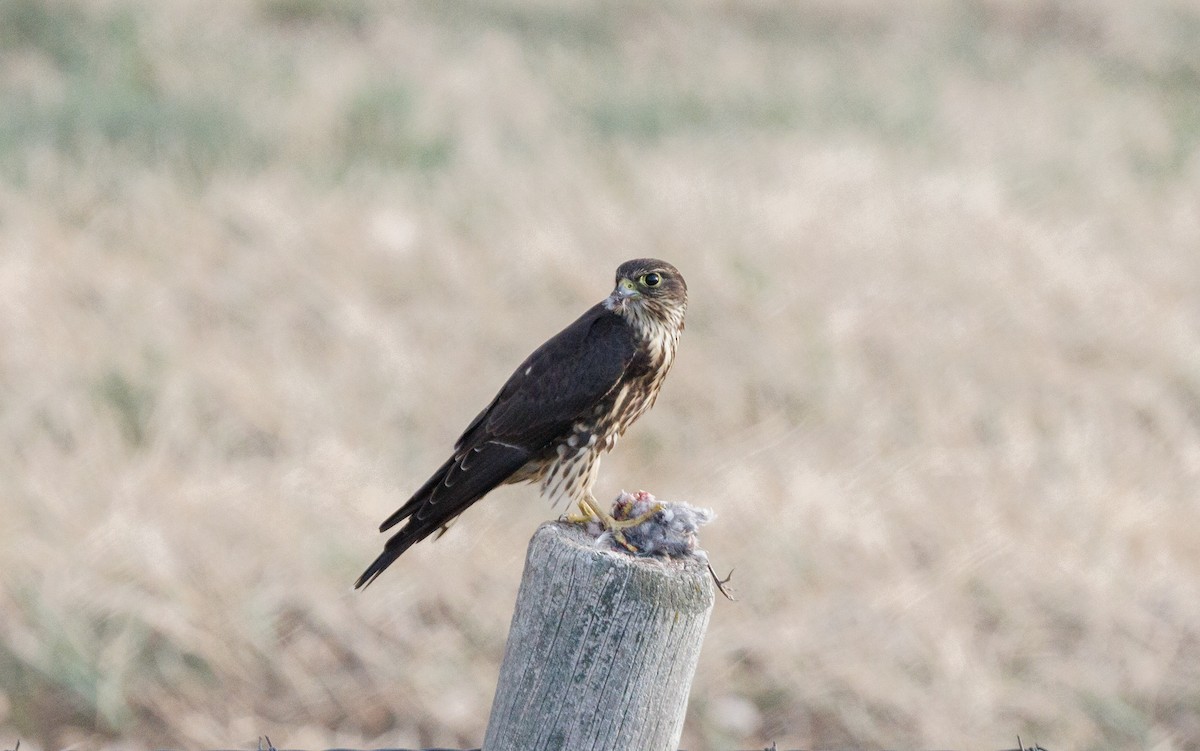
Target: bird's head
(648, 286)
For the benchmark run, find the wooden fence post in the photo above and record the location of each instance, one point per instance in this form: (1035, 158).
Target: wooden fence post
(602, 649)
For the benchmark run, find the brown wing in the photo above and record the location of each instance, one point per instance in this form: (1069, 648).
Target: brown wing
(557, 385)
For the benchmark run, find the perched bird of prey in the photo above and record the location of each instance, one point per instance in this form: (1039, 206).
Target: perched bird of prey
(561, 409)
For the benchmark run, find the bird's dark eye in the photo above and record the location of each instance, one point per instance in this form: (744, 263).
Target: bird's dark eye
(652, 279)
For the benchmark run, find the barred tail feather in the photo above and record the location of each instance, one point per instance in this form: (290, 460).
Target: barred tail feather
(460, 482)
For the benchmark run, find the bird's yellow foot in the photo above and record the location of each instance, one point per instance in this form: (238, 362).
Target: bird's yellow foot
(616, 525)
(591, 511)
(619, 537)
(586, 514)
(613, 523)
(624, 522)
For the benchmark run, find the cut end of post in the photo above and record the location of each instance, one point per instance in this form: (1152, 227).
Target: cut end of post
(602, 649)
(663, 575)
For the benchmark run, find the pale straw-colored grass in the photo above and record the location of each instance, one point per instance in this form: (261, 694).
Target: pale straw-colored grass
(260, 263)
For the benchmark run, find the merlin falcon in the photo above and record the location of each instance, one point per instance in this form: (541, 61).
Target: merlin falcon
(561, 409)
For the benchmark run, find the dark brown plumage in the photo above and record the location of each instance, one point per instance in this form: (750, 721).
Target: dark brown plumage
(561, 409)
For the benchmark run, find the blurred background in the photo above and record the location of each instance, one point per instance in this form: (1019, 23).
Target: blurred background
(262, 260)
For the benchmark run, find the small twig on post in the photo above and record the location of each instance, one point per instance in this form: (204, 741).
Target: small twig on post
(722, 584)
(602, 649)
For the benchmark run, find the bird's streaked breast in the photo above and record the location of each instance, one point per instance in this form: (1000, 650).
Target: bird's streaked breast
(570, 472)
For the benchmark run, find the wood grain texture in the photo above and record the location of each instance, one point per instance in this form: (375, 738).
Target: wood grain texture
(602, 649)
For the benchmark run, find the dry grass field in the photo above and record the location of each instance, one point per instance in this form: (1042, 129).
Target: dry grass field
(261, 261)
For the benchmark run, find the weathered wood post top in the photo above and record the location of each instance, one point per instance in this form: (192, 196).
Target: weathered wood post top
(602, 649)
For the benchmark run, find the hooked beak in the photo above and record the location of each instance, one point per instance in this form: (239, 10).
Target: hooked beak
(625, 290)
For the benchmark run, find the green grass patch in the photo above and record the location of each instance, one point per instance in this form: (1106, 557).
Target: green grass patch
(352, 14)
(381, 129)
(130, 403)
(102, 93)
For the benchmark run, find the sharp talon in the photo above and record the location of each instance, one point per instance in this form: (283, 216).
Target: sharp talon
(620, 538)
